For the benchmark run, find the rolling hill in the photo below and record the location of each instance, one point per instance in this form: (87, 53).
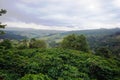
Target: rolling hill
(23, 33)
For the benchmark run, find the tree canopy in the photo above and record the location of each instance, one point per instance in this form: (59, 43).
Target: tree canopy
(56, 64)
(2, 11)
(76, 42)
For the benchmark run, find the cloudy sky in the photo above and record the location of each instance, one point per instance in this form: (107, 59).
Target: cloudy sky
(61, 14)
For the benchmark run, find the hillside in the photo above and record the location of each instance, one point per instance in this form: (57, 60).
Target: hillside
(87, 33)
(12, 35)
(54, 35)
(96, 38)
(95, 32)
(27, 33)
(109, 38)
(110, 41)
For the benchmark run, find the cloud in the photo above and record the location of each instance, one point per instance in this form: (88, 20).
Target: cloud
(89, 25)
(37, 26)
(116, 3)
(79, 14)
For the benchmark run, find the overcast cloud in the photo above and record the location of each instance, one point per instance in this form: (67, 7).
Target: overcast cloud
(61, 14)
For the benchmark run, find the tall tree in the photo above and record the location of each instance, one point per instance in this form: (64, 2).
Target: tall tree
(104, 52)
(6, 44)
(77, 42)
(37, 43)
(2, 11)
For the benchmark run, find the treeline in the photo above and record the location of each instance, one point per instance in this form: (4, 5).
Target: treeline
(23, 44)
(74, 42)
(111, 42)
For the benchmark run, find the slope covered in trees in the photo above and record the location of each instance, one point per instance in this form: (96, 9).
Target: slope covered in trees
(28, 32)
(11, 35)
(112, 42)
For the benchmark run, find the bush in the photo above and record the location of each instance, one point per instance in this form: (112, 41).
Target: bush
(35, 77)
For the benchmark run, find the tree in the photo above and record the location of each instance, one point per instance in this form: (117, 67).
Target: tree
(2, 11)
(53, 44)
(104, 52)
(77, 42)
(37, 43)
(6, 44)
(23, 44)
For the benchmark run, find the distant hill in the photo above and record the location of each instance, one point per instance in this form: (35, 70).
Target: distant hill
(94, 32)
(22, 33)
(112, 42)
(12, 35)
(87, 33)
(96, 38)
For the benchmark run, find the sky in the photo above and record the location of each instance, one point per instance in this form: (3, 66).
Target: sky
(61, 14)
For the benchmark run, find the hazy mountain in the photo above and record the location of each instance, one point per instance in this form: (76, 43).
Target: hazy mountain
(88, 33)
(21, 33)
(11, 35)
(27, 33)
(94, 32)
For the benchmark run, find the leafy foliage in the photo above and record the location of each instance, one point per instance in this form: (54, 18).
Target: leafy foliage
(104, 51)
(2, 11)
(56, 64)
(31, 60)
(6, 44)
(76, 42)
(35, 77)
(112, 42)
(37, 44)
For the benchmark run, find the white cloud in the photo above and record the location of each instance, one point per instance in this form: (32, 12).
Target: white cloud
(75, 14)
(31, 1)
(116, 3)
(98, 25)
(87, 25)
(37, 26)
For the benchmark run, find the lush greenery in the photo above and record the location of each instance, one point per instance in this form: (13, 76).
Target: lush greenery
(109, 38)
(76, 42)
(56, 64)
(32, 60)
(112, 42)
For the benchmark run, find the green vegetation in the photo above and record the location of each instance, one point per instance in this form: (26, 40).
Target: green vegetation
(32, 60)
(76, 42)
(35, 77)
(56, 64)
(6, 44)
(2, 11)
(111, 42)
(104, 52)
(37, 43)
